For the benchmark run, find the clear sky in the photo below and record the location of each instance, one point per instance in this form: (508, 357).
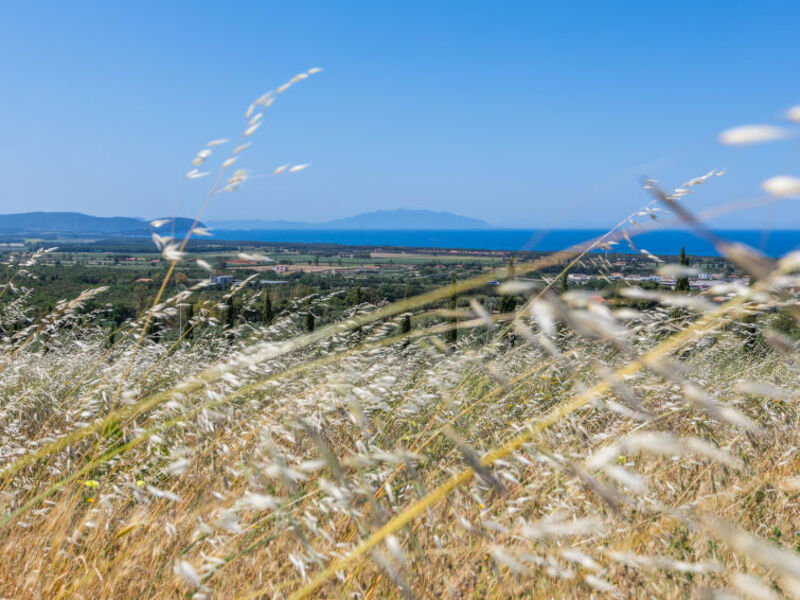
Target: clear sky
(519, 113)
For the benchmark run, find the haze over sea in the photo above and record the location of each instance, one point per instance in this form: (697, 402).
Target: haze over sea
(772, 243)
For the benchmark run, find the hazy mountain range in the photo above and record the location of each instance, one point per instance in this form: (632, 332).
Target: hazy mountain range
(74, 224)
(380, 219)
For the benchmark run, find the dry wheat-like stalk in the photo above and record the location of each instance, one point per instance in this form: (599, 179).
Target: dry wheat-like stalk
(569, 447)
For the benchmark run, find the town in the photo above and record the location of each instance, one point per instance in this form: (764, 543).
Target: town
(133, 270)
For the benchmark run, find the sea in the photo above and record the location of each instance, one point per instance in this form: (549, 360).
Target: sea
(664, 242)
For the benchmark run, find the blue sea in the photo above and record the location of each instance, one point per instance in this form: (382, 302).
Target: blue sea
(772, 243)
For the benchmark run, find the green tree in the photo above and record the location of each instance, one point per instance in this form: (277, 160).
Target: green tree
(405, 324)
(508, 304)
(188, 331)
(682, 282)
(267, 312)
(309, 321)
(451, 335)
(231, 313)
(112, 337)
(140, 294)
(155, 330)
(564, 281)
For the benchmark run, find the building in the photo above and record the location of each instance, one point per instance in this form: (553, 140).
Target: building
(222, 281)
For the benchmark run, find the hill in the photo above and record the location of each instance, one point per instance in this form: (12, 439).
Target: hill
(75, 223)
(256, 224)
(401, 218)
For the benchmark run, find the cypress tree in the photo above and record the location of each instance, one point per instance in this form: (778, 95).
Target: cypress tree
(230, 314)
(188, 331)
(357, 299)
(452, 334)
(155, 330)
(508, 304)
(405, 324)
(682, 282)
(267, 312)
(564, 281)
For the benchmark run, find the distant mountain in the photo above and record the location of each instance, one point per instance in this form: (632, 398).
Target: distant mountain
(181, 225)
(73, 223)
(253, 224)
(380, 219)
(407, 219)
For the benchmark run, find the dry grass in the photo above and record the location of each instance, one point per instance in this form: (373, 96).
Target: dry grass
(562, 450)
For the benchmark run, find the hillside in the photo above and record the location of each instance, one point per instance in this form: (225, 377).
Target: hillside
(79, 224)
(75, 223)
(401, 218)
(256, 224)
(407, 219)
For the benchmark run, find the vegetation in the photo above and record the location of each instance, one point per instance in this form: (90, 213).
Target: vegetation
(322, 438)
(682, 282)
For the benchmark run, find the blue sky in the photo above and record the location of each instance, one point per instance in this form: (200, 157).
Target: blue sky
(520, 113)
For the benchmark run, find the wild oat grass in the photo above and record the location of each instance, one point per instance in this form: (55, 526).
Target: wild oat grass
(570, 448)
